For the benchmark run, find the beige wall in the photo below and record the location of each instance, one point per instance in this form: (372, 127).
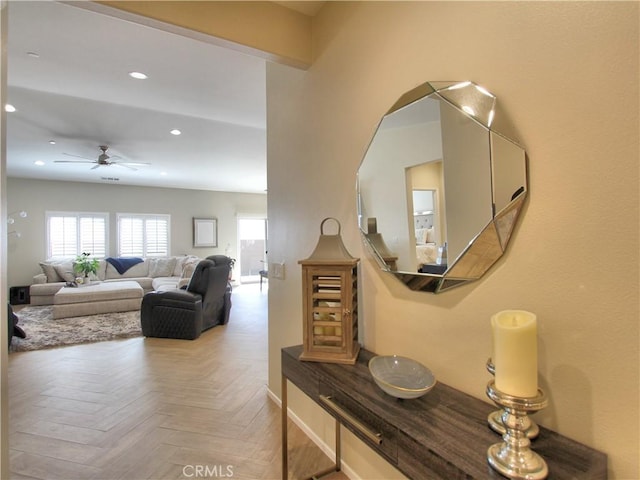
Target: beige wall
(567, 75)
(25, 252)
(259, 28)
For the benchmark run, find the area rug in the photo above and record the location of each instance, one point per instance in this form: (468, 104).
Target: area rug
(45, 332)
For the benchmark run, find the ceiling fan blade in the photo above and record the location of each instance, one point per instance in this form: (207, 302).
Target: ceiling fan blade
(104, 160)
(77, 156)
(135, 164)
(123, 165)
(74, 161)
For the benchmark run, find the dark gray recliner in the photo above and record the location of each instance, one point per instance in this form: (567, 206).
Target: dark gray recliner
(185, 314)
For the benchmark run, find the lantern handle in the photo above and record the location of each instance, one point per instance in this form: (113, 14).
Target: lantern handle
(329, 218)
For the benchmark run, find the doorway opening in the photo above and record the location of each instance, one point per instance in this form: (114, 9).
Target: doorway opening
(252, 248)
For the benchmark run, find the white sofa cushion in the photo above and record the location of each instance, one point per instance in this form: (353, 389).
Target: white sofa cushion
(165, 283)
(189, 267)
(182, 261)
(145, 282)
(177, 269)
(161, 267)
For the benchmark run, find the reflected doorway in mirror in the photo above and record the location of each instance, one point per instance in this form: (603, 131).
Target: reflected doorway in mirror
(481, 183)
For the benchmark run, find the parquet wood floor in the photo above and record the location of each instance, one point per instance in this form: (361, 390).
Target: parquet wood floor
(155, 408)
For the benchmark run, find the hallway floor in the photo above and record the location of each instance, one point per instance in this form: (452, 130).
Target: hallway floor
(149, 408)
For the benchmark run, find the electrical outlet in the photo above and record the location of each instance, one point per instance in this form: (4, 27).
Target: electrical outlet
(276, 270)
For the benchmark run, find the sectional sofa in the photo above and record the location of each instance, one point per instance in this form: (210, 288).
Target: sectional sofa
(164, 273)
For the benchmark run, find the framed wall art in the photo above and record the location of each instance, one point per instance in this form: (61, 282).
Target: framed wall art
(205, 232)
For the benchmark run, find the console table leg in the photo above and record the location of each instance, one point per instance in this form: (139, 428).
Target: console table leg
(285, 448)
(338, 448)
(338, 465)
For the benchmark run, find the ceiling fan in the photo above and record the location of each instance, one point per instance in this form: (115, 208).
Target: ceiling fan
(103, 160)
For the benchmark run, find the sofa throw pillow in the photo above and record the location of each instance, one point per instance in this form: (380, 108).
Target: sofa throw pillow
(181, 261)
(177, 268)
(189, 268)
(102, 271)
(48, 268)
(161, 267)
(430, 237)
(65, 271)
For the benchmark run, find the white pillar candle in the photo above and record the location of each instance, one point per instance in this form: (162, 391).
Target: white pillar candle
(515, 352)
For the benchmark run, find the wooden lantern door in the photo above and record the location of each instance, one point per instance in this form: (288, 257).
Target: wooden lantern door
(330, 307)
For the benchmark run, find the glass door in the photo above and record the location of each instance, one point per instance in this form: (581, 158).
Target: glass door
(252, 239)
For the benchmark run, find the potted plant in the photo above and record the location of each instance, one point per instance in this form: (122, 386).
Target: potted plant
(84, 265)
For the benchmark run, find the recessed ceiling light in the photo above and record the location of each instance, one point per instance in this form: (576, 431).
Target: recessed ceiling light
(33, 54)
(52, 142)
(138, 75)
(9, 108)
(175, 131)
(39, 163)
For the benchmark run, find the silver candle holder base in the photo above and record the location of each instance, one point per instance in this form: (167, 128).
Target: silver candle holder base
(513, 457)
(531, 429)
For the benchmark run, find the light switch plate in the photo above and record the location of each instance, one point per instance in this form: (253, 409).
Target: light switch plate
(276, 270)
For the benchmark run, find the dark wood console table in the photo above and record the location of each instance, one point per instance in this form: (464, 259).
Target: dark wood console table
(442, 435)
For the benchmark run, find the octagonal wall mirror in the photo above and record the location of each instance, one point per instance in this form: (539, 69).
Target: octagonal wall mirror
(441, 186)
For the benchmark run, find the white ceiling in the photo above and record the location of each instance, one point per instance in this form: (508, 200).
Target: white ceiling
(77, 92)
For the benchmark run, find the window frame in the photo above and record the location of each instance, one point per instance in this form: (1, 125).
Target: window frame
(78, 215)
(145, 245)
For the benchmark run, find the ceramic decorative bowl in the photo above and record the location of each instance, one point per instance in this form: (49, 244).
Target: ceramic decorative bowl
(401, 377)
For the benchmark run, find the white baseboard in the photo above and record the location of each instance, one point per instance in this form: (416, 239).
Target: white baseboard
(314, 438)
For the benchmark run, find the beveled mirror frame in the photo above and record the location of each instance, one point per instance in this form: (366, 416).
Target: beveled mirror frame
(507, 187)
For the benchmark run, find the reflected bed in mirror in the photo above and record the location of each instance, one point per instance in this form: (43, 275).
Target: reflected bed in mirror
(441, 186)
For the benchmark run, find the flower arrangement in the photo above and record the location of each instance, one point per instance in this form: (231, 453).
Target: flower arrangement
(85, 265)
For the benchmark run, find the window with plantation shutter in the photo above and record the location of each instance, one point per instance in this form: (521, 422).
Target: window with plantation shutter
(141, 235)
(71, 233)
(157, 237)
(93, 234)
(130, 237)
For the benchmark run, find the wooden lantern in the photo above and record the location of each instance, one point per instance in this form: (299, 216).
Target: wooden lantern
(330, 302)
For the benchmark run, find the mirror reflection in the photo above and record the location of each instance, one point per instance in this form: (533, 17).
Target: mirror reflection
(439, 189)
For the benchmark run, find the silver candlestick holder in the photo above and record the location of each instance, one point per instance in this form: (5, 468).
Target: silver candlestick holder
(513, 457)
(531, 429)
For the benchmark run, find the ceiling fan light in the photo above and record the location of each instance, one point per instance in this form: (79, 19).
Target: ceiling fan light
(175, 131)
